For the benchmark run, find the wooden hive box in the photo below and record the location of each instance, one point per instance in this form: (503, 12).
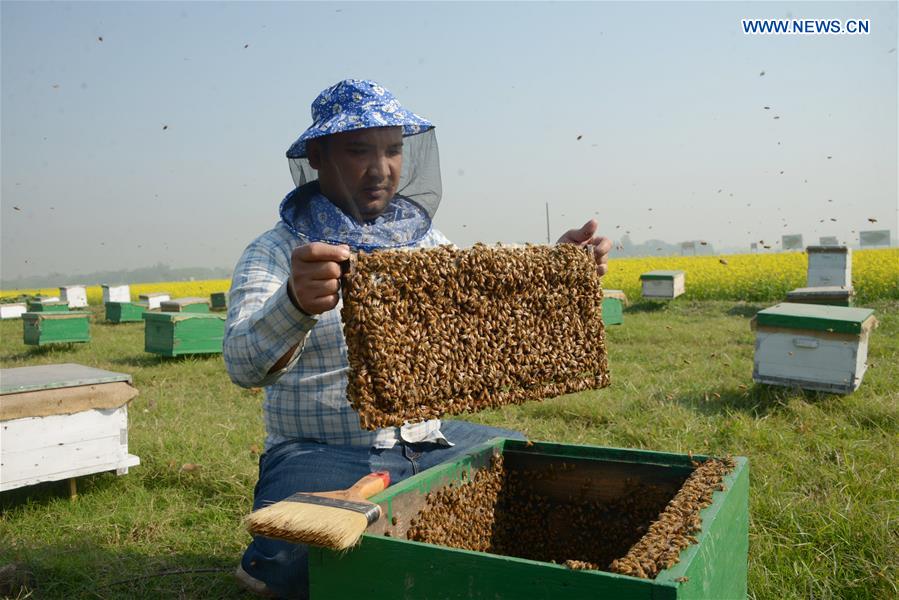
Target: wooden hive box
(13, 310)
(154, 299)
(613, 303)
(41, 328)
(47, 305)
(387, 565)
(219, 300)
(175, 334)
(812, 346)
(125, 312)
(829, 266)
(185, 305)
(61, 422)
(666, 285)
(831, 294)
(74, 295)
(116, 293)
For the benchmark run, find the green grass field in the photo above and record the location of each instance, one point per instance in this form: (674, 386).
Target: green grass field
(824, 468)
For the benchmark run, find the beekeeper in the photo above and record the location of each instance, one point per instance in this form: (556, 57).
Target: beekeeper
(367, 176)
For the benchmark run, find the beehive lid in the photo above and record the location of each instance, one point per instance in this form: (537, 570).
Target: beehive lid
(826, 291)
(153, 295)
(180, 316)
(72, 286)
(69, 314)
(48, 377)
(184, 301)
(48, 301)
(834, 249)
(819, 317)
(661, 274)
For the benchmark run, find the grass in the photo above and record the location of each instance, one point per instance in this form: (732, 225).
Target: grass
(824, 499)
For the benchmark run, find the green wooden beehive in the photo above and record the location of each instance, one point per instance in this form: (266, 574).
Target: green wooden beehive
(125, 312)
(613, 303)
(386, 565)
(47, 306)
(41, 328)
(185, 305)
(219, 300)
(174, 334)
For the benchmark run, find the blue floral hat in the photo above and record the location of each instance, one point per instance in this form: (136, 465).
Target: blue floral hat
(356, 104)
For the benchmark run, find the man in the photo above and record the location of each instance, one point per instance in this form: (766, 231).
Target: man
(367, 176)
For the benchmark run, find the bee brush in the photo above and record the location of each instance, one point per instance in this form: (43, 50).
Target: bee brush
(334, 520)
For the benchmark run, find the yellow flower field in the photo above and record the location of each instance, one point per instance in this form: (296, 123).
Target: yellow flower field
(176, 289)
(757, 277)
(751, 277)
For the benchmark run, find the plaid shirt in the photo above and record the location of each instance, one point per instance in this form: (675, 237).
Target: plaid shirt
(307, 398)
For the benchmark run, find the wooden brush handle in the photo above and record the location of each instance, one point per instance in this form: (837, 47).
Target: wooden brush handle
(368, 486)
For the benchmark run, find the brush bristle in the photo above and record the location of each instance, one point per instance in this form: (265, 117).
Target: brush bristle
(315, 525)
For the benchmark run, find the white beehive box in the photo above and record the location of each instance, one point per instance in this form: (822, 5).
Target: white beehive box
(812, 346)
(154, 299)
(12, 311)
(74, 295)
(62, 421)
(116, 293)
(829, 266)
(663, 284)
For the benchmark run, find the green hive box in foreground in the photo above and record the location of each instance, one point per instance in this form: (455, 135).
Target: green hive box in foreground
(41, 328)
(174, 334)
(715, 567)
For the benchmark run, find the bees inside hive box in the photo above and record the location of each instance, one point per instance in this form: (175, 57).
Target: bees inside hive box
(812, 346)
(63, 421)
(74, 295)
(664, 285)
(441, 331)
(12, 310)
(47, 305)
(829, 266)
(219, 300)
(154, 299)
(41, 328)
(832, 295)
(613, 303)
(116, 293)
(125, 312)
(187, 305)
(515, 519)
(175, 334)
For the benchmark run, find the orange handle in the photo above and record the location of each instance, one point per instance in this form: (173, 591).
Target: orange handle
(369, 485)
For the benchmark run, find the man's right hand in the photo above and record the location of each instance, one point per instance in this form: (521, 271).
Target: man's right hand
(315, 276)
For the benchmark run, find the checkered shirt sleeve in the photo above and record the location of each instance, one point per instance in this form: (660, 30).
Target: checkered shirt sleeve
(307, 398)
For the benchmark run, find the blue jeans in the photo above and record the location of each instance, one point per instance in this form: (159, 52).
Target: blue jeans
(301, 466)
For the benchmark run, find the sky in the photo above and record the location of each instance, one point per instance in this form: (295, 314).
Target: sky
(138, 133)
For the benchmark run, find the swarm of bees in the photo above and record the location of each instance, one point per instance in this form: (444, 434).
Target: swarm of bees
(676, 527)
(442, 331)
(639, 533)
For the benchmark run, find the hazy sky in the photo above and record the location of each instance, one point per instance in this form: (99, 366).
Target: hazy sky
(668, 96)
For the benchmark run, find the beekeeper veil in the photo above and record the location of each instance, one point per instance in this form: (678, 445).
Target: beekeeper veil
(353, 105)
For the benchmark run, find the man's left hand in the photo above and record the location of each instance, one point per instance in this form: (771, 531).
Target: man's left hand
(586, 236)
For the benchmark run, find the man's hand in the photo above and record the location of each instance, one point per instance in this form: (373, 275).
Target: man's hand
(586, 236)
(315, 276)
